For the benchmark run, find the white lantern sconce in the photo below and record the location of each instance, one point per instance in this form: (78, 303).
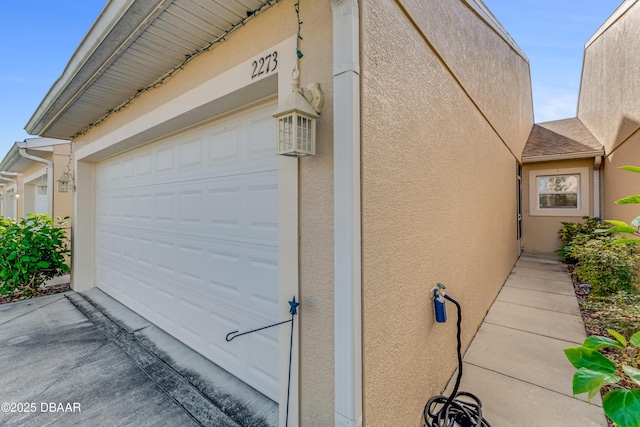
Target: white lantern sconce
(65, 182)
(41, 187)
(296, 120)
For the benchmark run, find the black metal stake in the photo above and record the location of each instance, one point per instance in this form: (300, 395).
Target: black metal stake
(293, 310)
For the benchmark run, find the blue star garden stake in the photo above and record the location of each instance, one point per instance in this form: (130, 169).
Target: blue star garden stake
(294, 306)
(293, 310)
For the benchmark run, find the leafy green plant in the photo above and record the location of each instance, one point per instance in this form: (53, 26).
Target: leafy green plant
(575, 234)
(606, 266)
(595, 370)
(621, 226)
(32, 251)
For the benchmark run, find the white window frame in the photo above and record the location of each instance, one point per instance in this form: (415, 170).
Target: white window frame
(583, 193)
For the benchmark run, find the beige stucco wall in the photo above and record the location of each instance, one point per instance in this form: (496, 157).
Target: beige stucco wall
(618, 183)
(608, 104)
(439, 134)
(62, 202)
(271, 27)
(540, 233)
(609, 89)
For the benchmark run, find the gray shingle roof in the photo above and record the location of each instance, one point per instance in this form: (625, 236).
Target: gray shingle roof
(567, 138)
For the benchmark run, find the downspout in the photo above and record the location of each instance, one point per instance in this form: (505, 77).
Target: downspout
(596, 187)
(347, 214)
(23, 153)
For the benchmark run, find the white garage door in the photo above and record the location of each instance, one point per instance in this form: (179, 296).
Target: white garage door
(40, 200)
(188, 238)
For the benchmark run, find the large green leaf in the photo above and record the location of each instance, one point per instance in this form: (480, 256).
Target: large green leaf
(586, 380)
(627, 241)
(636, 221)
(635, 339)
(617, 336)
(582, 357)
(631, 168)
(633, 373)
(623, 407)
(596, 342)
(616, 222)
(631, 200)
(622, 229)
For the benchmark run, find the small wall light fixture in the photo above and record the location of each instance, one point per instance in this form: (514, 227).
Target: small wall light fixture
(65, 182)
(296, 120)
(41, 187)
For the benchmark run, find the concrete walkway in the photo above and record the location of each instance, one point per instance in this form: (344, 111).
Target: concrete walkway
(516, 364)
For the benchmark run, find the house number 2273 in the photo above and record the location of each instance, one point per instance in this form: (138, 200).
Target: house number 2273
(265, 65)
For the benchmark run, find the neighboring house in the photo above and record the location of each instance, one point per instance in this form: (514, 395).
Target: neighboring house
(184, 213)
(29, 172)
(588, 150)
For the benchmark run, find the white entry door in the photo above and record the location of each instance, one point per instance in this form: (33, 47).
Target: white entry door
(188, 238)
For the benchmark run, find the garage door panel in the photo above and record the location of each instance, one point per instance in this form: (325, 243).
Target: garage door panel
(195, 260)
(263, 215)
(246, 147)
(264, 355)
(187, 233)
(224, 148)
(257, 352)
(191, 155)
(259, 147)
(239, 208)
(263, 280)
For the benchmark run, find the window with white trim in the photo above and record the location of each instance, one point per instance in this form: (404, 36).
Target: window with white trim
(559, 192)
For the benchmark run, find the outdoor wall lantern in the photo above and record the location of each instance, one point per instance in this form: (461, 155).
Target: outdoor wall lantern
(41, 187)
(296, 120)
(64, 182)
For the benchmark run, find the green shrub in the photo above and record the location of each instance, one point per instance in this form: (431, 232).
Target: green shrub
(32, 251)
(606, 266)
(577, 234)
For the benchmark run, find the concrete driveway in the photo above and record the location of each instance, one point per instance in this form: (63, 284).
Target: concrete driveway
(84, 359)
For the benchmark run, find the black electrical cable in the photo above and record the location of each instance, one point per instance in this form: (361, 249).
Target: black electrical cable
(455, 412)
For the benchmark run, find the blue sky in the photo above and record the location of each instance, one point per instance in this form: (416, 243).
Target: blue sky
(552, 33)
(38, 37)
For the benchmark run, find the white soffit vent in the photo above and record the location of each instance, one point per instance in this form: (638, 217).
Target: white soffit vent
(134, 53)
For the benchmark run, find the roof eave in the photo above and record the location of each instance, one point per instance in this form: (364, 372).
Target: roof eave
(564, 156)
(11, 158)
(110, 32)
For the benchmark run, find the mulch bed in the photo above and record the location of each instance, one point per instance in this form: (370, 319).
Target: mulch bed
(591, 325)
(43, 291)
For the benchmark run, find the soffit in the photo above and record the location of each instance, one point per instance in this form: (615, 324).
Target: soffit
(131, 46)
